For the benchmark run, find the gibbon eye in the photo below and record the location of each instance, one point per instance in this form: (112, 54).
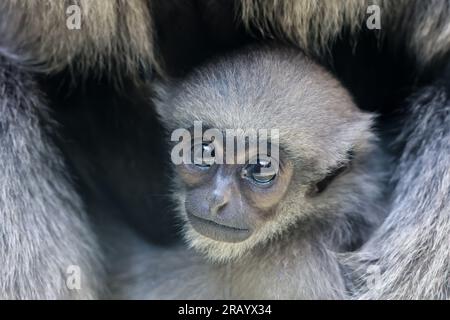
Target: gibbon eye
(261, 173)
(201, 156)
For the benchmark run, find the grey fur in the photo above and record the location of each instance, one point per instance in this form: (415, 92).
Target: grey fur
(412, 247)
(422, 26)
(112, 31)
(43, 228)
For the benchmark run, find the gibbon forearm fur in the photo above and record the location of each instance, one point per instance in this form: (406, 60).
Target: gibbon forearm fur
(44, 229)
(115, 32)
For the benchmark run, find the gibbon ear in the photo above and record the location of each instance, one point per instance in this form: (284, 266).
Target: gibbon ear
(161, 97)
(334, 173)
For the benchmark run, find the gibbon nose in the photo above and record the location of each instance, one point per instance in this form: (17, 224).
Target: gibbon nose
(218, 202)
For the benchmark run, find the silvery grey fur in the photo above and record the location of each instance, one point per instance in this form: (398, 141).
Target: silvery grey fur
(412, 247)
(43, 228)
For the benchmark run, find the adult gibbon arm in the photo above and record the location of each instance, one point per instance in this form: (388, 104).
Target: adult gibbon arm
(43, 227)
(47, 247)
(411, 250)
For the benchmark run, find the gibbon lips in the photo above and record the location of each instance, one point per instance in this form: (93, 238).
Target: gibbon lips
(218, 231)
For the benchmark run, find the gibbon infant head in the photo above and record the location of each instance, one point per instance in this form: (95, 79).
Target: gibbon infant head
(324, 143)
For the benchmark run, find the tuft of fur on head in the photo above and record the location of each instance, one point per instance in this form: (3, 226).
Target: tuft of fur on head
(423, 26)
(113, 32)
(264, 88)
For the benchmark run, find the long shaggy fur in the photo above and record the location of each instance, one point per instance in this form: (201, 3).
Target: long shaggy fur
(423, 26)
(114, 33)
(43, 228)
(411, 250)
(312, 25)
(426, 30)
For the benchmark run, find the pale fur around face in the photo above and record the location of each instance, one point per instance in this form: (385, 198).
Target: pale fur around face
(111, 31)
(318, 124)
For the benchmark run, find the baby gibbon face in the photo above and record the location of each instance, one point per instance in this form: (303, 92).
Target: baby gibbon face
(230, 202)
(229, 208)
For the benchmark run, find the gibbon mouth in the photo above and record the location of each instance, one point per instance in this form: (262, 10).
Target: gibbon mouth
(216, 231)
